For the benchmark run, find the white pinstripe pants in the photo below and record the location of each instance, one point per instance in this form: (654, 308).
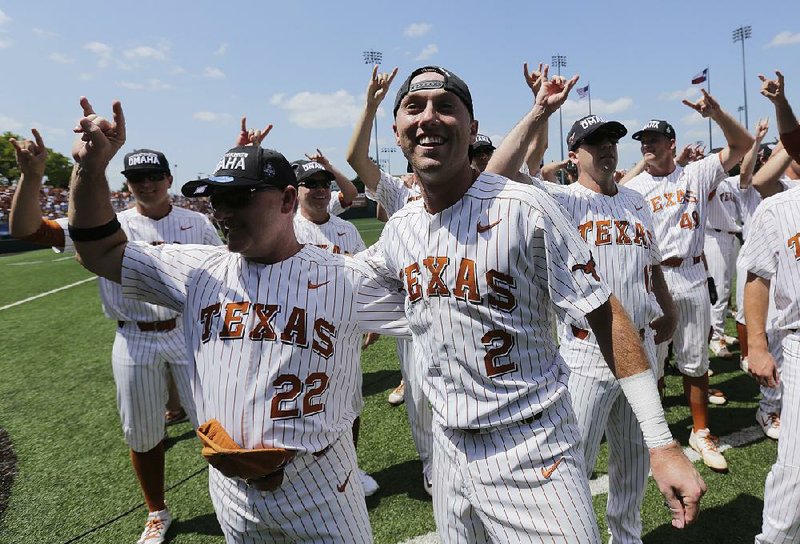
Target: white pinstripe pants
(308, 507)
(601, 407)
(420, 415)
(720, 249)
(491, 488)
(139, 361)
(772, 398)
(781, 523)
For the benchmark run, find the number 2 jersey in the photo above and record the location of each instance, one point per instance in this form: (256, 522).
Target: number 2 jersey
(479, 279)
(275, 347)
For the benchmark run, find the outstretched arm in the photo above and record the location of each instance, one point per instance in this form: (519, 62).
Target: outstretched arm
(358, 150)
(788, 126)
(749, 160)
(100, 246)
(25, 216)
(633, 172)
(739, 140)
(349, 190)
(767, 181)
(249, 136)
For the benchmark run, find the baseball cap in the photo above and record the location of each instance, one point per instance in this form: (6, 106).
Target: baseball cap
(482, 141)
(451, 83)
(245, 166)
(145, 160)
(765, 151)
(590, 124)
(657, 126)
(305, 169)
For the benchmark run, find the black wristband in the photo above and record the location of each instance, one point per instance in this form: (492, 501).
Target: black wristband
(92, 234)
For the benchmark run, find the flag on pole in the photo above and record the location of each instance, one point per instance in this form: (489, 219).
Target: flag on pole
(701, 77)
(583, 92)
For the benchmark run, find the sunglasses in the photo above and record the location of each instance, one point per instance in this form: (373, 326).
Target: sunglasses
(234, 199)
(597, 139)
(138, 178)
(315, 184)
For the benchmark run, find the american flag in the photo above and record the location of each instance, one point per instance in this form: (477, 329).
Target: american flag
(583, 92)
(701, 77)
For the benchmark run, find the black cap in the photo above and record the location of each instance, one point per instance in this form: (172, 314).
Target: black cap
(764, 151)
(305, 169)
(482, 141)
(451, 83)
(590, 124)
(245, 166)
(657, 126)
(145, 160)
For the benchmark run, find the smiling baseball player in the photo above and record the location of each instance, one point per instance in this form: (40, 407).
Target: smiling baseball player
(481, 260)
(270, 324)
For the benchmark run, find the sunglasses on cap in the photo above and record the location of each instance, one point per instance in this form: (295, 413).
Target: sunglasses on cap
(598, 138)
(234, 199)
(315, 184)
(140, 177)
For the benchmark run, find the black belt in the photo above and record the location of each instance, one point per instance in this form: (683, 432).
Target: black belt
(152, 326)
(724, 231)
(487, 430)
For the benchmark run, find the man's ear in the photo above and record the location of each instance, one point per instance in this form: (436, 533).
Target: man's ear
(289, 201)
(473, 131)
(573, 157)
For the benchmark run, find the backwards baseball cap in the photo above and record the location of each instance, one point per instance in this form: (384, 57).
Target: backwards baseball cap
(145, 160)
(451, 83)
(482, 141)
(305, 169)
(585, 126)
(657, 126)
(245, 166)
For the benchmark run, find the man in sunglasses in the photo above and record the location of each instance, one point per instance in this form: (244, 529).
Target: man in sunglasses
(618, 227)
(270, 324)
(149, 343)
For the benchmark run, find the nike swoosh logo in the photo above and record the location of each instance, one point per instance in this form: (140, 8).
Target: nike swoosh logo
(341, 233)
(317, 285)
(186, 228)
(547, 472)
(484, 228)
(342, 486)
(638, 208)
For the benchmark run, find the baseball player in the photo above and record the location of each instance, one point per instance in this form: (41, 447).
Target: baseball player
(271, 326)
(480, 152)
(617, 225)
(678, 199)
(149, 344)
(771, 255)
(481, 260)
(392, 193)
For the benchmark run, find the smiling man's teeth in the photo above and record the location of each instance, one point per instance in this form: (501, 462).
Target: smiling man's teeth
(427, 140)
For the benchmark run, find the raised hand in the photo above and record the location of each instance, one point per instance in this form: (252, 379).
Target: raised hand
(707, 106)
(379, 86)
(773, 89)
(100, 139)
(554, 92)
(320, 158)
(31, 155)
(762, 128)
(536, 78)
(252, 136)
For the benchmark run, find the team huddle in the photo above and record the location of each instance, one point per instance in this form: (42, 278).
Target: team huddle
(482, 257)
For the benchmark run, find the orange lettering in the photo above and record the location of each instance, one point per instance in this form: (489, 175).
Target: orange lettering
(585, 229)
(263, 330)
(622, 233)
(501, 284)
(436, 265)
(466, 283)
(295, 330)
(603, 232)
(206, 318)
(233, 328)
(323, 330)
(412, 282)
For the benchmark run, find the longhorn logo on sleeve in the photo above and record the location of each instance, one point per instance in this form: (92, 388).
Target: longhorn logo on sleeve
(588, 268)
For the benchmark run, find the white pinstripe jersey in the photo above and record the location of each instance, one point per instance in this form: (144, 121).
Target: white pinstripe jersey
(479, 280)
(772, 251)
(750, 199)
(392, 193)
(336, 205)
(724, 206)
(275, 347)
(619, 229)
(679, 203)
(335, 235)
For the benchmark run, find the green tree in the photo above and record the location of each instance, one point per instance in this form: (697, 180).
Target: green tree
(58, 168)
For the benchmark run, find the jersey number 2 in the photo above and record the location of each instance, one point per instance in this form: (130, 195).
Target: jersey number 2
(498, 344)
(284, 403)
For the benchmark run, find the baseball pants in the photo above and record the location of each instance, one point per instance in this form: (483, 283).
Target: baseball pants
(772, 398)
(781, 522)
(601, 407)
(720, 249)
(308, 507)
(519, 483)
(139, 361)
(689, 290)
(420, 415)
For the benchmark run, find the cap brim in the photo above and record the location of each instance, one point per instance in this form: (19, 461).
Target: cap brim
(212, 184)
(615, 128)
(328, 175)
(479, 146)
(638, 135)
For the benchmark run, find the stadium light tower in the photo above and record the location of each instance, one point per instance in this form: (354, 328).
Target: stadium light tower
(560, 61)
(371, 58)
(740, 109)
(389, 151)
(740, 35)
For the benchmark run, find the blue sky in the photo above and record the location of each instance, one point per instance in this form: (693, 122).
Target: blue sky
(187, 71)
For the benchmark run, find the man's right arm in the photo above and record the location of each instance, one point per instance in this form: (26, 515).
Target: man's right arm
(358, 150)
(767, 181)
(25, 216)
(788, 127)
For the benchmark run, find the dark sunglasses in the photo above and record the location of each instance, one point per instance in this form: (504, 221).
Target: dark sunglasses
(315, 184)
(597, 139)
(234, 199)
(138, 178)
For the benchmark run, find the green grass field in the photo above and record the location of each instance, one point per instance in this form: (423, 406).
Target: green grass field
(75, 484)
